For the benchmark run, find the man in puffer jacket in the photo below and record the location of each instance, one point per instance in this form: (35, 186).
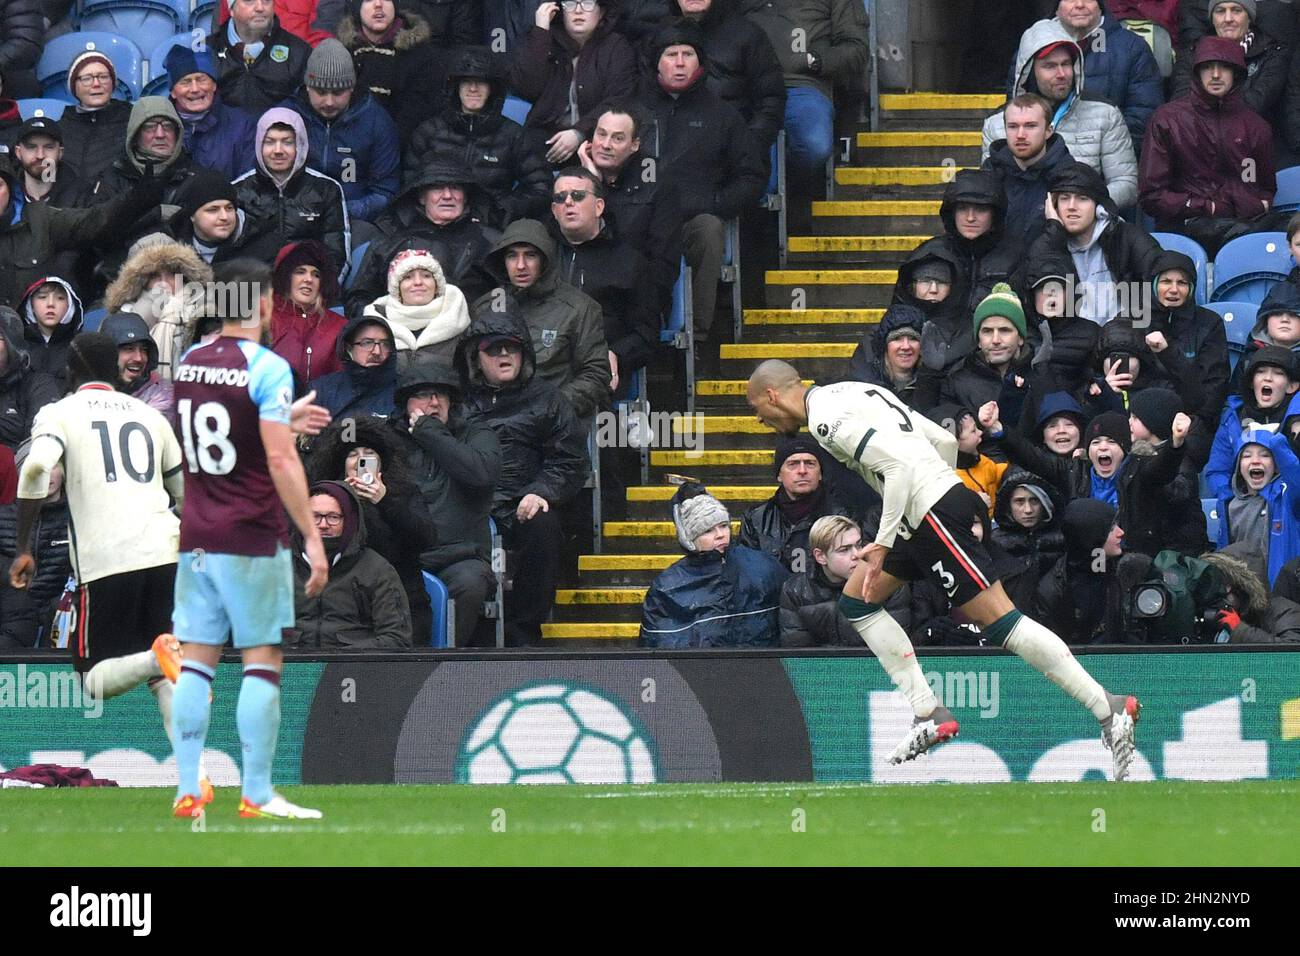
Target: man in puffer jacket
(351, 137)
(719, 594)
(285, 200)
(1120, 67)
(52, 314)
(544, 460)
(1051, 64)
(1253, 616)
(472, 132)
(24, 391)
(363, 606)
(1200, 148)
(260, 63)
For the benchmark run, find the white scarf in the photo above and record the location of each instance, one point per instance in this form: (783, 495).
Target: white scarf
(415, 326)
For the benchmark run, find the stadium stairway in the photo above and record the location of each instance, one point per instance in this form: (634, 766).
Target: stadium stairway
(835, 287)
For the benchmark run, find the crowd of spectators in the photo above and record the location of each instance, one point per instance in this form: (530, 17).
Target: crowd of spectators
(515, 278)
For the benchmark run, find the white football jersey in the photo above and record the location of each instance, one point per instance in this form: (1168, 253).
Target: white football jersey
(903, 455)
(120, 462)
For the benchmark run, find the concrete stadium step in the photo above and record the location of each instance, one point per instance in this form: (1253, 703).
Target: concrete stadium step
(713, 466)
(915, 217)
(611, 632)
(716, 393)
(818, 360)
(919, 148)
(908, 112)
(795, 325)
(623, 570)
(878, 251)
(598, 605)
(645, 537)
(893, 182)
(829, 288)
(653, 502)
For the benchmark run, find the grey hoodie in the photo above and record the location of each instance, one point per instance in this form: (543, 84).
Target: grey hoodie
(565, 323)
(1094, 132)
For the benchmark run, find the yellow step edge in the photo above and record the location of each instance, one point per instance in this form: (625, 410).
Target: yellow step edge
(711, 459)
(831, 276)
(877, 207)
(920, 138)
(721, 492)
(717, 387)
(647, 529)
(722, 425)
(589, 632)
(896, 175)
(813, 316)
(626, 562)
(941, 101)
(587, 597)
(855, 243)
(788, 350)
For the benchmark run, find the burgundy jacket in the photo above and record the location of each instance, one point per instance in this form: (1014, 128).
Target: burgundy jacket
(292, 333)
(1201, 149)
(543, 71)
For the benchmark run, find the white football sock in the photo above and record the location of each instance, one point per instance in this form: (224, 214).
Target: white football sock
(893, 648)
(1048, 654)
(117, 675)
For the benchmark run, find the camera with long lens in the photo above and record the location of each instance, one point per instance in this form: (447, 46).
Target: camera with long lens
(1172, 599)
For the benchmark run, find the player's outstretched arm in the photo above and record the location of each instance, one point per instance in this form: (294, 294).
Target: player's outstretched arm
(290, 481)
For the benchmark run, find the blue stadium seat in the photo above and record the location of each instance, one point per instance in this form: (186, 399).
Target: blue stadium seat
(1238, 320)
(354, 268)
(1248, 266)
(159, 84)
(1287, 198)
(146, 23)
(127, 60)
(516, 109)
(41, 107)
(1211, 508)
(1192, 249)
(92, 320)
(438, 599)
(202, 17)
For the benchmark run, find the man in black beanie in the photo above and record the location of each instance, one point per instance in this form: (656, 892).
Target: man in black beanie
(707, 151)
(780, 525)
(1074, 597)
(209, 219)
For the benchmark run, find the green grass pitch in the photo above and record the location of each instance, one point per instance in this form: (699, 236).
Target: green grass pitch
(1248, 823)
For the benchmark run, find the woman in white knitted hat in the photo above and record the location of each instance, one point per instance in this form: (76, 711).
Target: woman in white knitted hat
(426, 313)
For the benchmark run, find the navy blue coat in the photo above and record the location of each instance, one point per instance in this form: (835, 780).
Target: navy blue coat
(363, 133)
(1026, 189)
(356, 391)
(221, 139)
(715, 599)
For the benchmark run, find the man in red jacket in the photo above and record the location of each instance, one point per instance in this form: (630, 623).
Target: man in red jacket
(1207, 167)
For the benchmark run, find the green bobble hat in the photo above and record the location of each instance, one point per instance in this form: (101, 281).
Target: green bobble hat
(1004, 303)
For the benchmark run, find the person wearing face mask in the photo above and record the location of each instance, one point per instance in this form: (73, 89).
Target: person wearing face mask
(571, 62)
(304, 332)
(363, 606)
(285, 200)
(543, 455)
(426, 314)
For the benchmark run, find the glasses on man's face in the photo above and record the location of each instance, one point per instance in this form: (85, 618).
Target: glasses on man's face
(503, 348)
(562, 196)
(426, 395)
(93, 79)
(155, 126)
(372, 345)
(330, 520)
(584, 5)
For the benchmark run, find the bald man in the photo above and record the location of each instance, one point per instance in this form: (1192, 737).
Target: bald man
(925, 533)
